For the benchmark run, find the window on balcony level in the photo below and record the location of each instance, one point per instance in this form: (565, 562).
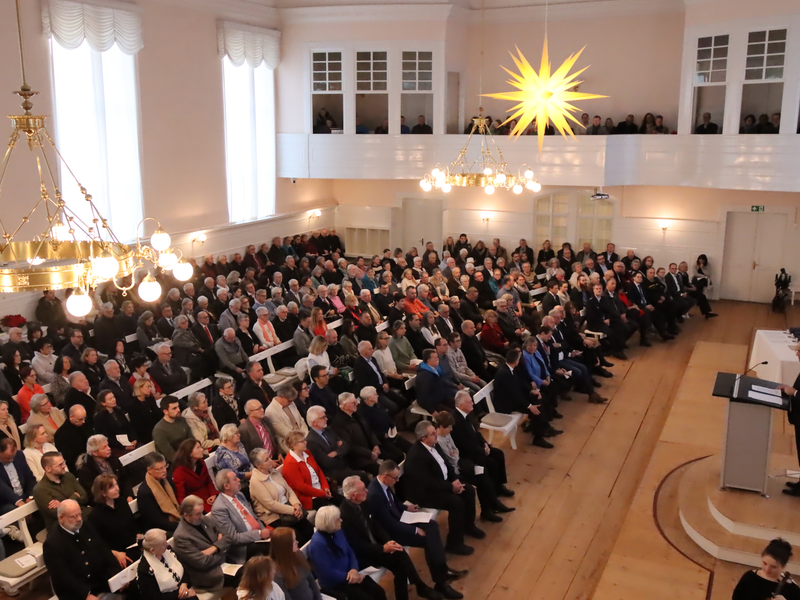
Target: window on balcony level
(326, 90)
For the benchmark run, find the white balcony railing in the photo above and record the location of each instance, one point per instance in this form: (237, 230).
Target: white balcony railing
(744, 162)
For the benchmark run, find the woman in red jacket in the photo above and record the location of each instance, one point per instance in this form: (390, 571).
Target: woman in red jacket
(304, 476)
(492, 337)
(191, 476)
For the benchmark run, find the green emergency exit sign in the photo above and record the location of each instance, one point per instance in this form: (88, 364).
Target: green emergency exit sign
(756, 208)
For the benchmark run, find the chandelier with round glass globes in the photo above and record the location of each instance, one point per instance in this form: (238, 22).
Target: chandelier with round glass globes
(488, 171)
(70, 249)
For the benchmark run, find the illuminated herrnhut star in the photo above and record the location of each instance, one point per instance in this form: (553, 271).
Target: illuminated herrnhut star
(543, 96)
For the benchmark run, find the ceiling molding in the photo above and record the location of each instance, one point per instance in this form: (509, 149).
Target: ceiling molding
(362, 13)
(252, 12)
(580, 10)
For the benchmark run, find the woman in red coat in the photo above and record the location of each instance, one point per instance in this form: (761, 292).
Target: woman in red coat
(312, 489)
(492, 337)
(191, 476)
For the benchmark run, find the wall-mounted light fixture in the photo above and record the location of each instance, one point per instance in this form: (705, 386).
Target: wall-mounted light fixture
(485, 217)
(199, 238)
(664, 225)
(314, 214)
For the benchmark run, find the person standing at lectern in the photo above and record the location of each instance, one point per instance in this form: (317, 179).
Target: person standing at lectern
(794, 419)
(769, 581)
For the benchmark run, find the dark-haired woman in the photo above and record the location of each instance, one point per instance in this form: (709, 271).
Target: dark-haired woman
(113, 520)
(768, 581)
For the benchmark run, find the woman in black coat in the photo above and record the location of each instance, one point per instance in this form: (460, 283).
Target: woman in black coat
(113, 520)
(144, 412)
(110, 421)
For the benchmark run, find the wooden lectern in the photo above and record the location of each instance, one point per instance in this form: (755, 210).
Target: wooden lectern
(748, 431)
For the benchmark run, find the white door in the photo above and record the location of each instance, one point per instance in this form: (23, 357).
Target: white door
(422, 223)
(753, 254)
(768, 258)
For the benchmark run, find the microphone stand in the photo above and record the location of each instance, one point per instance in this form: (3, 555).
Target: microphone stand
(738, 377)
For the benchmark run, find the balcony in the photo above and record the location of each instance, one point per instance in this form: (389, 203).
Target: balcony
(741, 162)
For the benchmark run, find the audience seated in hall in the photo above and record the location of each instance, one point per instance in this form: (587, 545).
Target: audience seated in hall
(329, 435)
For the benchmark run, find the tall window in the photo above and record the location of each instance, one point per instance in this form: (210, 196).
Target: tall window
(595, 219)
(97, 131)
(249, 140)
(552, 219)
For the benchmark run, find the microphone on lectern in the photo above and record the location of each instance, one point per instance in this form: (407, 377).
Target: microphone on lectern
(766, 362)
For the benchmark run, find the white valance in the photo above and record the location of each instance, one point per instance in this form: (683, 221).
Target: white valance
(69, 23)
(252, 44)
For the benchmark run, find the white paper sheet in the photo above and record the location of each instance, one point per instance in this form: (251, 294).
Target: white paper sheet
(765, 390)
(25, 561)
(479, 470)
(768, 398)
(368, 571)
(415, 517)
(123, 439)
(230, 569)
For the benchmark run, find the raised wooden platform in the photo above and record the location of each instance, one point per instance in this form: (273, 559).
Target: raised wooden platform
(735, 525)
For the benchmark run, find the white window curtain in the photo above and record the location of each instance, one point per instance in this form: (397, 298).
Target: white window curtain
(96, 110)
(249, 140)
(249, 56)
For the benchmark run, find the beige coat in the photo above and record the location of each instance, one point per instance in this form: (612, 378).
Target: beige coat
(282, 424)
(39, 419)
(264, 492)
(199, 430)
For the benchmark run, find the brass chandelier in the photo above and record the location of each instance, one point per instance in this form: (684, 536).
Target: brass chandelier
(70, 252)
(487, 171)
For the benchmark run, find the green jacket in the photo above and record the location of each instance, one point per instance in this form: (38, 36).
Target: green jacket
(67, 489)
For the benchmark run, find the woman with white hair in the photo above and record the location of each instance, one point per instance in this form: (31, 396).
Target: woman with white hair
(99, 460)
(45, 414)
(333, 295)
(160, 574)
(335, 563)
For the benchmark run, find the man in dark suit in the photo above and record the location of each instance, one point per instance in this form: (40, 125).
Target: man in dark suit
(677, 291)
(598, 318)
(166, 324)
(320, 393)
(79, 393)
(256, 430)
(436, 486)
(551, 299)
(166, 371)
(585, 253)
(469, 310)
(473, 447)
(475, 355)
(793, 392)
(206, 332)
(14, 494)
(637, 296)
(387, 509)
(119, 385)
(77, 559)
(366, 372)
(706, 127)
(445, 322)
(254, 387)
(525, 252)
(71, 437)
(611, 254)
(512, 394)
(373, 546)
(327, 448)
(352, 430)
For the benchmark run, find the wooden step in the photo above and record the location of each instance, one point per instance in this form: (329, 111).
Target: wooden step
(697, 515)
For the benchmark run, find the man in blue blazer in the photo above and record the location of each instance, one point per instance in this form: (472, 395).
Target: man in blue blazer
(387, 509)
(16, 478)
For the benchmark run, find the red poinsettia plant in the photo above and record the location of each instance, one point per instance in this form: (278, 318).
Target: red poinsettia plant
(13, 321)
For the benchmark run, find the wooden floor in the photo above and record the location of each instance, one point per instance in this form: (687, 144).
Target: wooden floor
(584, 525)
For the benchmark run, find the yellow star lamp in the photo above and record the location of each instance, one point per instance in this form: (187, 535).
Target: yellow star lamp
(543, 96)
